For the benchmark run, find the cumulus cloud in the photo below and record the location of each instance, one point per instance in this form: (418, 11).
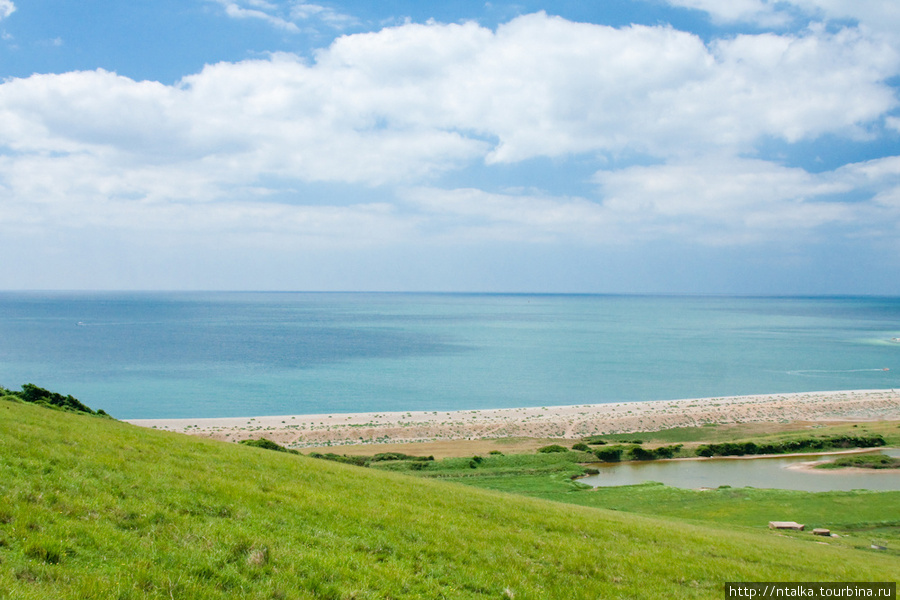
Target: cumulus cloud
(231, 148)
(6, 8)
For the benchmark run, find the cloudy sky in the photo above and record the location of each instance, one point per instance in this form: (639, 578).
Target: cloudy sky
(649, 146)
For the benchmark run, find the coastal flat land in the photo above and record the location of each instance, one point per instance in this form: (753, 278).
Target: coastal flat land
(523, 429)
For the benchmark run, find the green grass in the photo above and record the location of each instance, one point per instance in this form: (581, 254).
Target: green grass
(745, 507)
(863, 461)
(861, 516)
(94, 508)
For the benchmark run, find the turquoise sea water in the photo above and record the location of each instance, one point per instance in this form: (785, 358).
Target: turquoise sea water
(147, 355)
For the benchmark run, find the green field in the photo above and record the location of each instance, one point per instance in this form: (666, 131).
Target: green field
(94, 508)
(860, 518)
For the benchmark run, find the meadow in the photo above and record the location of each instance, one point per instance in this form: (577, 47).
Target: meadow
(95, 508)
(861, 518)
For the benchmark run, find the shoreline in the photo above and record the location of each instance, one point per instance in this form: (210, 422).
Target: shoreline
(559, 422)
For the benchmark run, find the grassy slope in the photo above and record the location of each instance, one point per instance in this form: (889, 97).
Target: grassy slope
(99, 509)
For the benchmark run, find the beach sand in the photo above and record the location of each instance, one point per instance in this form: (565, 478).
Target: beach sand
(558, 422)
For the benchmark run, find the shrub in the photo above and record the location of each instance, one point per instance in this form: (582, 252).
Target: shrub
(383, 456)
(638, 453)
(38, 395)
(267, 445)
(611, 454)
(581, 446)
(667, 451)
(553, 448)
(787, 446)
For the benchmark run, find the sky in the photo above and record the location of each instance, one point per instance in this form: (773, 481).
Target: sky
(618, 146)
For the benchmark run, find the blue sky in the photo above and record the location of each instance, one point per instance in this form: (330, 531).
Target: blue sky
(645, 146)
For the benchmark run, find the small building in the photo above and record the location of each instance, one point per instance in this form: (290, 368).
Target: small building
(786, 525)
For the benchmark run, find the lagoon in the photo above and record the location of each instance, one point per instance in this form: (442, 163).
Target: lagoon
(768, 472)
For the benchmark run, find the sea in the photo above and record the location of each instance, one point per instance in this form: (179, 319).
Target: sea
(225, 354)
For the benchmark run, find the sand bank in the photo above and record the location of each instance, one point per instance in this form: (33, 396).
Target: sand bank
(562, 422)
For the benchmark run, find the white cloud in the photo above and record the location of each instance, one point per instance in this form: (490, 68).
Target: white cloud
(231, 148)
(882, 16)
(893, 123)
(723, 200)
(762, 12)
(410, 101)
(234, 10)
(303, 11)
(713, 200)
(286, 16)
(6, 8)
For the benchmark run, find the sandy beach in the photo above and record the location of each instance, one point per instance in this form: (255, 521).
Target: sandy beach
(561, 422)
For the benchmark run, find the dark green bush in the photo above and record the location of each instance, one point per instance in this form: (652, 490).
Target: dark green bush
(667, 451)
(553, 448)
(789, 446)
(383, 456)
(581, 446)
(638, 453)
(267, 445)
(359, 461)
(38, 395)
(417, 463)
(611, 454)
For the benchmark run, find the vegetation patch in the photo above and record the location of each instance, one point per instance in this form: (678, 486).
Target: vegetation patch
(863, 461)
(640, 453)
(808, 444)
(367, 461)
(610, 454)
(267, 444)
(552, 448)
(95, 508)
(37, 395)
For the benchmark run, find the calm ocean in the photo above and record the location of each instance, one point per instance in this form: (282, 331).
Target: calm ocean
(148, 355)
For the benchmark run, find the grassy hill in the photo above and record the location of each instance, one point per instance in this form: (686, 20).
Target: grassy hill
(94, 508)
